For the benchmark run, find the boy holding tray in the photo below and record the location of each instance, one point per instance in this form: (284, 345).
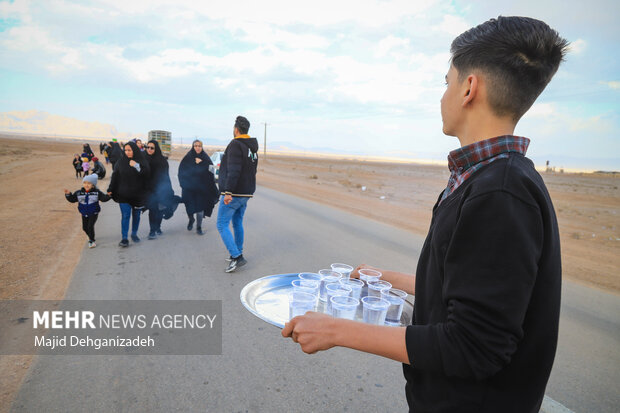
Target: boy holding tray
(488, 280)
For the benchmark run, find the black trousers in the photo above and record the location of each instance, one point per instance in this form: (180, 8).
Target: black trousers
(155, 217)
(88, 225)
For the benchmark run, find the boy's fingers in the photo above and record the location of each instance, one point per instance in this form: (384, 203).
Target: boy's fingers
(287, 331)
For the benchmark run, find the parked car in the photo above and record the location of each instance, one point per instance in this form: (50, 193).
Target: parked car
(216, 158)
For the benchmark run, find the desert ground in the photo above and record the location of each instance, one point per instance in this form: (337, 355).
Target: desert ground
(42, 238)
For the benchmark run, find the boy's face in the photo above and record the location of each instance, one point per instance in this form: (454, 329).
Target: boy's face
(88, 186)
(451, 103)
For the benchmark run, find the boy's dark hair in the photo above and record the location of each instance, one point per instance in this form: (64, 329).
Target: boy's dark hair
(242, 124)
(518, 55)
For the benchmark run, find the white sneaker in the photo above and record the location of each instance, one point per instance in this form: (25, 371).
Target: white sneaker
(91, 244)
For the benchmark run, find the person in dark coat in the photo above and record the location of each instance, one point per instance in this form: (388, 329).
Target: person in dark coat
(114, 152)
(198, 184)
(77, 165)
(87, 152)
(128, 187)
(98, 168)
(160, 194)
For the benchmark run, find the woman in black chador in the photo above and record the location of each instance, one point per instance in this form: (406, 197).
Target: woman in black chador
(160, 195)
(128, 188)
(198, 184)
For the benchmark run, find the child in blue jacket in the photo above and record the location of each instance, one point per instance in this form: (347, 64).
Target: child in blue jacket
(88, 198)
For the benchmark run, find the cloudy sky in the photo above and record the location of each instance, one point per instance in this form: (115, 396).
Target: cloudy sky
(360, 76)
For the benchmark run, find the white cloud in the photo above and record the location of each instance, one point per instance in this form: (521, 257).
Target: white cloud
(614, 84)
(578, 46)
(389, 43)
(541, 110)
(453, 25)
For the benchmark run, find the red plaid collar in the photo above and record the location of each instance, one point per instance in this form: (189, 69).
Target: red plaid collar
(462, 159)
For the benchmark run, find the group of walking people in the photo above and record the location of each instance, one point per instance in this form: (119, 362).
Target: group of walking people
(140, 181)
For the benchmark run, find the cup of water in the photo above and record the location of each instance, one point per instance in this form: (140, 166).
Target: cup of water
(376, 287)
(374, 310)
(310, 287)
(396, 298)
(327, 277)
(344, 306)
(299, 303)
(355, 285)
(343, 269)
(366, 275)
(333, 290)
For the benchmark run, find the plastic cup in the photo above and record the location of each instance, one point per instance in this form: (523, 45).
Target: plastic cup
(374, 310)
(299, 303)
(343, 269)
(355, 285)
(327, 277)
(310, 287)
(309, 276)
(333, 290)
(376, 287)
(367, 275)
(396, 298)
(344, 307)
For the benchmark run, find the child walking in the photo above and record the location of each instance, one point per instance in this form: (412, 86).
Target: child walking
(88, 198)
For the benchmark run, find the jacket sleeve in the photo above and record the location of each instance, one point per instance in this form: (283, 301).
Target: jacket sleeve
(113, 182)
(103, 197)
(234, 164)
(72, 197)
(490, 271)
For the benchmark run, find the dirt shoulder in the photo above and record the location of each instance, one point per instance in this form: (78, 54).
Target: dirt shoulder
(41, 233)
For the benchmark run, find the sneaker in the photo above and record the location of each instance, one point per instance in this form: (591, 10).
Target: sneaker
(123, 243)
(135, 238)
(152, 235)
(91, 244)
(190, 225)
(199, 231)
(236, 262)
(159, 232)
(229, 259)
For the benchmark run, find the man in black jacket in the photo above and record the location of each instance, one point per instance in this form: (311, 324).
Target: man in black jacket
(486, 315)
(237, 184)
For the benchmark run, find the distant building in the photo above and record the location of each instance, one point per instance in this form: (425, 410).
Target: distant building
(164, 139)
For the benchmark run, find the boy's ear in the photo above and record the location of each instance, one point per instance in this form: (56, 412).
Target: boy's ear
(470, 90)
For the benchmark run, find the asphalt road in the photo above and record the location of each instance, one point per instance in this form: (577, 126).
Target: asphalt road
(259, 371)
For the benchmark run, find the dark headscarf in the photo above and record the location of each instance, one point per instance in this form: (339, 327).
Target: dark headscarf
(127, 184)
(198, 183)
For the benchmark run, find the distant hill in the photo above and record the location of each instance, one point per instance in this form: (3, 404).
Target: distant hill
(40, 122)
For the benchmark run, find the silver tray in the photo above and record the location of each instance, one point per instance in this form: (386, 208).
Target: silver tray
(267, 299)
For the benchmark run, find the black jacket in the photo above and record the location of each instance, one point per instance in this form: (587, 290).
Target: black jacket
(238, 167)
(199, 191)
(99, 169)
(88, 201)
(128, 185)
(487, 301)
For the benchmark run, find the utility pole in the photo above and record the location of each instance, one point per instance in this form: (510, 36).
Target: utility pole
(265, 142)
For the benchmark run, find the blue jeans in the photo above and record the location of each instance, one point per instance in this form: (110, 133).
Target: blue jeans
(232, 212)
(127, 211)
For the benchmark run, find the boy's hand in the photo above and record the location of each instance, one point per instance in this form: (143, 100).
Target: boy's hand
(132, 162)
(67, 192)
(312, 331)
